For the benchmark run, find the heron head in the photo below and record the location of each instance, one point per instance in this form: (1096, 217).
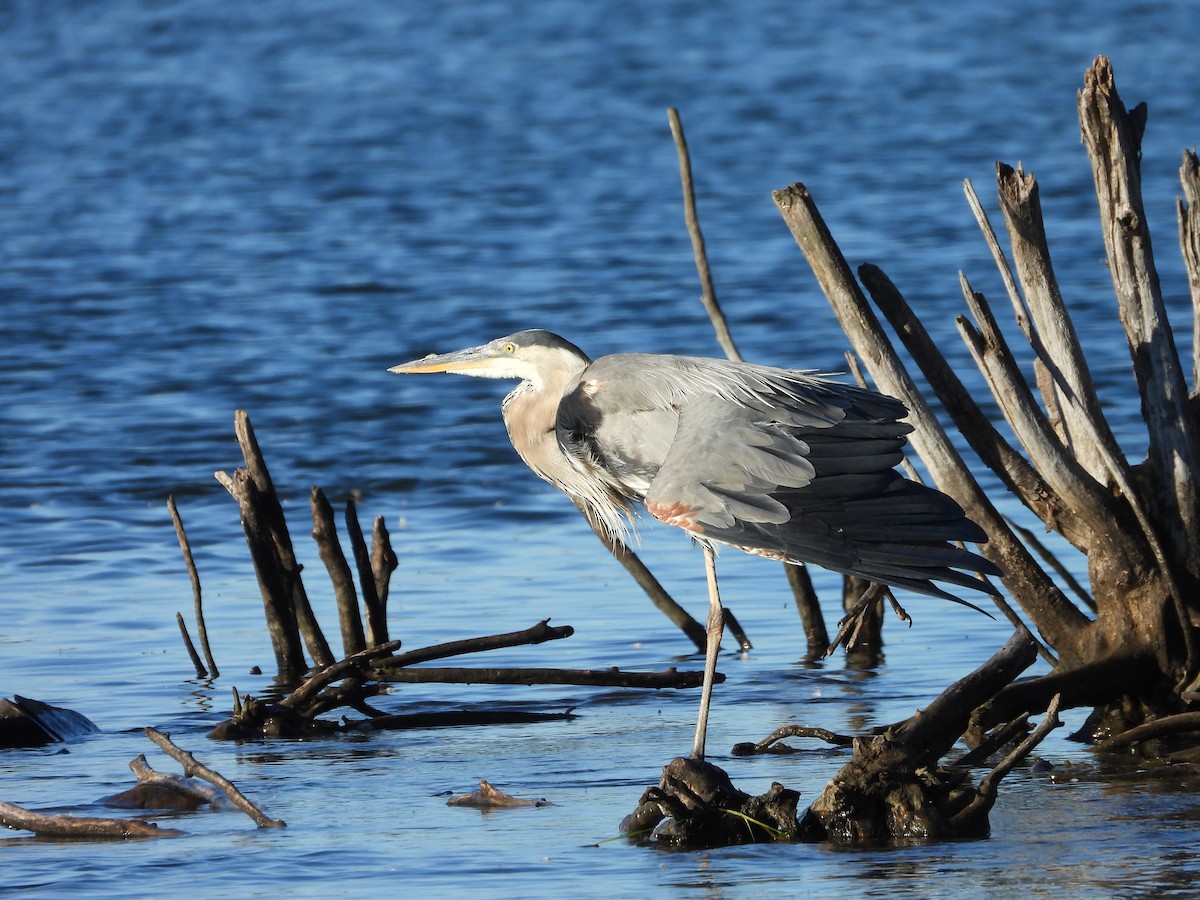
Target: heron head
(536, 356)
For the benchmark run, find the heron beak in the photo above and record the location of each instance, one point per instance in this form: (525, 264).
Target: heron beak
(466, 362)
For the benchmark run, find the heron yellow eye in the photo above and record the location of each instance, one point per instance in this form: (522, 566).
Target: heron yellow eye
(510, 348)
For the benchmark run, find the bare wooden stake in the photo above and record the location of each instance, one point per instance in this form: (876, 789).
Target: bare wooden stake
(188, 561)
(383, 562)
(276, 592)
(325, 534)
(708, 294)
(377, 631)
(191, 648)
(276, 524)
(807, 605)
(1187, 210)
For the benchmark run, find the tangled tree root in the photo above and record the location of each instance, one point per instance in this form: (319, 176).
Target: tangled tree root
(893, 790)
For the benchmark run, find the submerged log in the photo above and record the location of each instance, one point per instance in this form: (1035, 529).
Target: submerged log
(489, 797)
(63, 826)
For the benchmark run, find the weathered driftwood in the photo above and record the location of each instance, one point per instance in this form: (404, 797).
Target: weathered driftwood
(154, 790)
(1137, 524)
(63, 826)
(361, 675)
(891, 790)
(1128, 643)
(194, 768)
(489, 797)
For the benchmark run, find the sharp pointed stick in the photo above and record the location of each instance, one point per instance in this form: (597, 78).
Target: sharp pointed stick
(708, 292)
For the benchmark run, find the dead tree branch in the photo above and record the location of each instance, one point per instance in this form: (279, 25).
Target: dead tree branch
(193, 768)
(708, 293)
(20, 819)
(1187, 209)
(271, 572)
(376, 614)
(325, 534)
(194, 576)
(593, 677)
(271, 514)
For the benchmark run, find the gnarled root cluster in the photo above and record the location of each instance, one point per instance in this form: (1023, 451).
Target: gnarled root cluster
(892, 790)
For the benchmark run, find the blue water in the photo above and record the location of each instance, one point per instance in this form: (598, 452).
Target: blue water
(211, 206)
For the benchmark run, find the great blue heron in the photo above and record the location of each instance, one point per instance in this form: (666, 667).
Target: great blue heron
(779, 463)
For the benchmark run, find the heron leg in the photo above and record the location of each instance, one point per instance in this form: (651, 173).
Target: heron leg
(716, 627)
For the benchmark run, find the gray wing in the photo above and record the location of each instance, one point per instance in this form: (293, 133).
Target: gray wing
(619, 421)
(773, 462)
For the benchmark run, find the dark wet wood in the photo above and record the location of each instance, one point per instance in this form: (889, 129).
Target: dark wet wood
(284, 556)
(670, 678)
(695, 806)
(273, 575)
(185, 546)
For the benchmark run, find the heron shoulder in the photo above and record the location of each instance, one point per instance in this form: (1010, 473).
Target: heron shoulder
(800, 397)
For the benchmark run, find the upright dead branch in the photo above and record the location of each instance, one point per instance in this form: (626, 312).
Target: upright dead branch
(1067, 386)
(1113, 137)
(272, 518)
(944, 463)
(1188, 212)
(708, 293)
(383, 563)
(276, 592)
(325, 534)
(197, 602)
(375, 610)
